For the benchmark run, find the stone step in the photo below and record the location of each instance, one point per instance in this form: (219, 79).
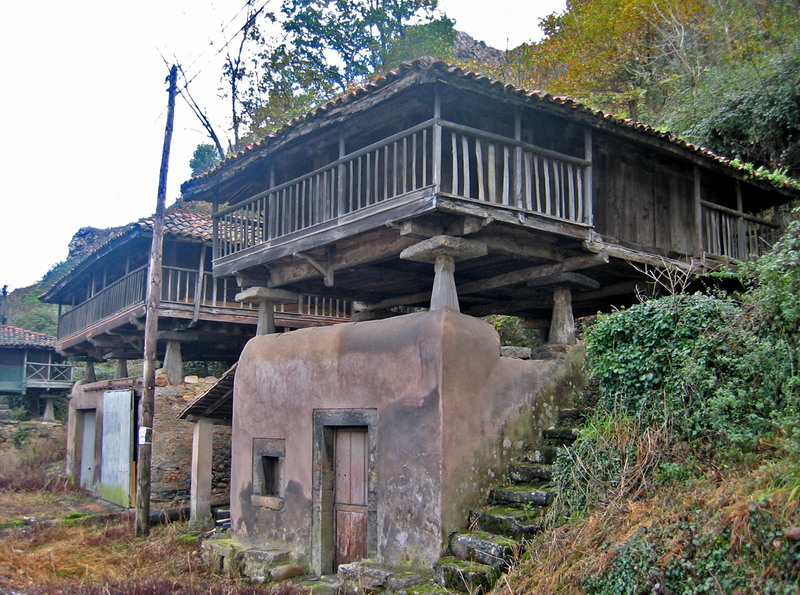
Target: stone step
(486, 548)
(464, 576)
(543, 455)
(529, 472)
(569, 418)
(508, 521)
(521, 494)
(559, 436)
(548, 351)
(370, 576)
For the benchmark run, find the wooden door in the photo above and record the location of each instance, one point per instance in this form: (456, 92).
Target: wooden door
(88, 433)
(350, 495)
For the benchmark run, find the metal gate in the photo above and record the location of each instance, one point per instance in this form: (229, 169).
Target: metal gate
(117, 451)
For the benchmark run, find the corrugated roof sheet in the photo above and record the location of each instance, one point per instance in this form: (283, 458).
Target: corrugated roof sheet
(428, 63)
(11, 336)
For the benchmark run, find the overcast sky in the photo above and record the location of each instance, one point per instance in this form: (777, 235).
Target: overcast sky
(83, 105)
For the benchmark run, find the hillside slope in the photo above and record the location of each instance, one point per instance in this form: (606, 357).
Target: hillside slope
(686, 477)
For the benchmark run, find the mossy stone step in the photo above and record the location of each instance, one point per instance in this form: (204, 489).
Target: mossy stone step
(529, 472)
(486, 548)
(544, 455)
(569, 418)
(509, 521)
(524, 494)
(559, 436)
(465, 576)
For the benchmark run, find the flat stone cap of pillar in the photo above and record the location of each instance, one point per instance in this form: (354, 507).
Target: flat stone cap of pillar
(455, 247)
(255, 295)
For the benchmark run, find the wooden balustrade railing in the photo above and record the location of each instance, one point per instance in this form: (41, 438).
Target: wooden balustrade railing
(501, 170)
(48, 372)
(179, 286)
(472, 164)
(123, 293)
(729, 233)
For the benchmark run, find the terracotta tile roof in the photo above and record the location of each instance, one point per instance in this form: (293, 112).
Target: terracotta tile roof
(216, 402)
(189, 224)
(11, 336)
(433, 64)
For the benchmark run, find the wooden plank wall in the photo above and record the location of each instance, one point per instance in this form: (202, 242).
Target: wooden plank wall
(641, 199)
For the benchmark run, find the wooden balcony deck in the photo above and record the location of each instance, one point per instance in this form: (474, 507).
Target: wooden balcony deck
(183, 297)
(415, 171)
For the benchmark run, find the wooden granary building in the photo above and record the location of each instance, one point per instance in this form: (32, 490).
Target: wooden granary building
(434, 187)
(556, 194)
(102, 299)
(30, 365)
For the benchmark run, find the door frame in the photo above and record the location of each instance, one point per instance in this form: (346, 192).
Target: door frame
(322, 522)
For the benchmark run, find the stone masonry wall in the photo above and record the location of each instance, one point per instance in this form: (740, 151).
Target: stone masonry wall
(172, 445)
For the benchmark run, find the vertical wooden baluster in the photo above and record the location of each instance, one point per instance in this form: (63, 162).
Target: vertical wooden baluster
(414, 185)
(425, 157)
(351, 184)
(405, 164)
(546, 171)
(491, 160)
(385, 172)
(506, 175)
(479, 162)
(394, 163)
(454, 158)
(571, 192)
(465, 161)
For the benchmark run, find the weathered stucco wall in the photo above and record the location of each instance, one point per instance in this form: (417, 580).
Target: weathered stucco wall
(390, 365)
(450, 415)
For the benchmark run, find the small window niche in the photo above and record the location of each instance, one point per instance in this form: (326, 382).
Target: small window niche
(268, 459)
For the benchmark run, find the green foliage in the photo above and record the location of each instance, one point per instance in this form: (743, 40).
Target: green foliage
(20, 436)
(637, 355)
(630, 570)
(325, 47)
(24, 310)
(512, 332)
(761, 124)
(722, 73)
(204, 158)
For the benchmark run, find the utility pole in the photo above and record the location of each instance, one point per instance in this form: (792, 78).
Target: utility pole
(151, 328)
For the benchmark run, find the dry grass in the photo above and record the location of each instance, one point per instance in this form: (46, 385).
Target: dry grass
(718, 503)
(56, 539)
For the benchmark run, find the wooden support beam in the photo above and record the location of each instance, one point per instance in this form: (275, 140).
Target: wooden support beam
(504, 280)
(629, 254)
(324, 268)
(370, 249)
(574, 263)
(202, 459)
(566, 279)
(517, 248)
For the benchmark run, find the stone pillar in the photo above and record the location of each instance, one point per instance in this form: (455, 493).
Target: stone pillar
(202, 453)
(562, 325)
(266, 298)
(266, 317)
(90, 374)
(49, 410)
(444, 295)
(443, 252)
(122, 368)
(173, 363)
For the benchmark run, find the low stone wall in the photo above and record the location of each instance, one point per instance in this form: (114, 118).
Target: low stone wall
(172, 445)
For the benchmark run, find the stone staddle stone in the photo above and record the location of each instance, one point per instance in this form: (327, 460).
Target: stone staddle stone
(457, 248)
(255, 295)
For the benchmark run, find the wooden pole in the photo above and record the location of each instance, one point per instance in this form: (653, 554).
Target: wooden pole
(151, 328)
